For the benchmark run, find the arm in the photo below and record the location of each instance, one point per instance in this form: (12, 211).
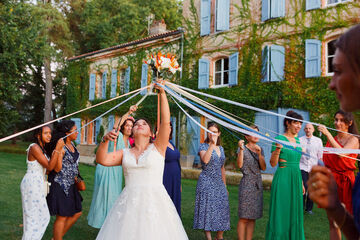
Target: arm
(274, 159)
(262, 162)
(162, 139)
(205, 156)
(323, 191)
(37, 154)
(240, 154)
(105, 158)
(125, 116)
(223, 174)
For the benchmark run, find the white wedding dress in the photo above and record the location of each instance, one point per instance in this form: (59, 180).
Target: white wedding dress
(144, 209)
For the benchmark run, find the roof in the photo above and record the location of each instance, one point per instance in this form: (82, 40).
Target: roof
(135, 42)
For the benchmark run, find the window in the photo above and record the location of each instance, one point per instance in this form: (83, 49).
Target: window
(98, 88)
(330, 46)
(272, 9)
(94, 132)
(122, 80)
(86, 131)
(221, 73)
(334, 2)
(218, 8)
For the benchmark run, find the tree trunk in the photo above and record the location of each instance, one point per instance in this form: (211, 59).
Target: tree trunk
(48, 90)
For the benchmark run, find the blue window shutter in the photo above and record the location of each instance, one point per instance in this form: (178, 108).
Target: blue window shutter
(111, 121)
(205, 14)
(173, 137)
(277, 8)
(265, 64)
(92, 82)
(97, 128)
(104, 77)
(113, 83)
(312, 58)
(194, 131)
(222, 15)
(127, 80)
(78, 126)
(144, 77)
(277, 63)
(312, 4)
(233, 69)
(204, 67)
(265, 10)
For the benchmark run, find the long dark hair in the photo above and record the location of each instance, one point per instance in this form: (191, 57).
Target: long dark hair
(44, 146)
(213, 124)
(61, 129)
(291, 114)
(349, 120)
(349, 44)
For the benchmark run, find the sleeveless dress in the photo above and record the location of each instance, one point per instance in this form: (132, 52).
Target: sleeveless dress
(107, 187)
(172, 176)
(212, 212)
(36, 214)
(143, 210)
(286, 199)
(250, 187)
(342, 169)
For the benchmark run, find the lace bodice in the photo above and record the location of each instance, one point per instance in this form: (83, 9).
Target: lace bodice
(149, 169)
(34, 167)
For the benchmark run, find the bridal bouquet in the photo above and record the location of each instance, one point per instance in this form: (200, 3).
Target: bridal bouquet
(164, 66)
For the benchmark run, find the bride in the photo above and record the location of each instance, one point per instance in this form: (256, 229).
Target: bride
(143, 210)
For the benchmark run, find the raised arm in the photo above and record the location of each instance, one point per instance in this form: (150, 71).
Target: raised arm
(125, 116)
(274, 159)
(162, 138)
(240, 154)
(37, 154)
(102, 155)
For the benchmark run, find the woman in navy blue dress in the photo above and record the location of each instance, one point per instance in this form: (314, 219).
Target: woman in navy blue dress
(172, 173)
(212, 213)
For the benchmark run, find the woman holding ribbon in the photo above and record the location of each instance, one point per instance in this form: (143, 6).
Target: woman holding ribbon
(64, 199)
(286, 199)
(212, 211)
(341, 166)
(33, 186)
(108, 179)
(323, 188)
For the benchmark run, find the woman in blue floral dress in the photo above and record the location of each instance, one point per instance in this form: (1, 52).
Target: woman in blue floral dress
(212, 212)
(64, 199)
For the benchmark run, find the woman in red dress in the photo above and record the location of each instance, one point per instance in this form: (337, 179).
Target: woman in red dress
(341, 166)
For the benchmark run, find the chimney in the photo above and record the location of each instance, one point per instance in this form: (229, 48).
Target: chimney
(157, 27)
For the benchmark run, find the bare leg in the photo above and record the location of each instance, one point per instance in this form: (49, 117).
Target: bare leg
(208, 235)
(59, 225)
(70, 221)
(220, 235)
(241, 228)
(250, 229)
(335, 233)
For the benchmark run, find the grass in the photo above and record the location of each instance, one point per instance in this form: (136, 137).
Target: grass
(13, 168)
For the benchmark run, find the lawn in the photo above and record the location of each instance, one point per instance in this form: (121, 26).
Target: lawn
(13, 168)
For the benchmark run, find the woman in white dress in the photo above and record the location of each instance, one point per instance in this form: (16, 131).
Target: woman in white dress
(143, 210)
(36, 214)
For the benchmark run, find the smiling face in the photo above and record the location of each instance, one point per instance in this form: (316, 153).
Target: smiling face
(293, 127)
(141, 127)
(345, 83)
(340, 123)
(45, 135)
(127, 128)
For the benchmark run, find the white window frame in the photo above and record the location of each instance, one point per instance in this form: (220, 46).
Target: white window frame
(86, 135)
(121, 80)
(98, 85)
(94, 132)
(222, 73)
(339, 1)
(327, 73)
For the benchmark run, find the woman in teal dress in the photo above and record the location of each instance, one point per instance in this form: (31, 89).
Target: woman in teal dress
(108, 180)
(286, 200)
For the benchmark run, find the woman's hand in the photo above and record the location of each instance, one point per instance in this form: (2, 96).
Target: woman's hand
(322, 188)
(241, 144)
(132, 109)
(324, 130)
(60, 144)
(278, 146)
(158, 87)
(213, 139)
(257, 149)
(111, 136)
(303, 188)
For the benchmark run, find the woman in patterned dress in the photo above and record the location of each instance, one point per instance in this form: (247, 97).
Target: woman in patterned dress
(212, 212)
(250, 160)
(64, 199)
(36, 215)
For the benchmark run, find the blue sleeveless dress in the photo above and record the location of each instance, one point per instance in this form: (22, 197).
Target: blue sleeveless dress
(107, 188)
(172, 176)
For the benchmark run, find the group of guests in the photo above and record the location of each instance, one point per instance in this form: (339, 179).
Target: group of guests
(333, 187)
